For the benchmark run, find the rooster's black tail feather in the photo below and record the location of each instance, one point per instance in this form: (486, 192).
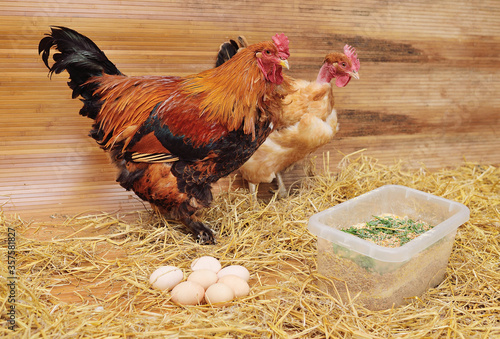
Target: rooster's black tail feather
(83, 60)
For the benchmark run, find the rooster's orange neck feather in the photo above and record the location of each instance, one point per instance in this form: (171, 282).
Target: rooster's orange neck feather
(232, 92)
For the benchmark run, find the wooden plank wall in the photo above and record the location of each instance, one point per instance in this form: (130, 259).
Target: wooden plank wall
(428, 91)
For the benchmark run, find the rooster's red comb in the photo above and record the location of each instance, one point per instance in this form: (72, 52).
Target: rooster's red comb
(350, 52)
(281, 43)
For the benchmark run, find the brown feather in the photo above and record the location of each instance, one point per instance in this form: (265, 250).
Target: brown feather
(128, 102)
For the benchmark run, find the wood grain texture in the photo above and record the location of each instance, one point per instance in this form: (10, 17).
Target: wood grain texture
(428, 91)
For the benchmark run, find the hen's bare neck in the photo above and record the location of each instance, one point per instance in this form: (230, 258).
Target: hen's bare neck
(324, 75)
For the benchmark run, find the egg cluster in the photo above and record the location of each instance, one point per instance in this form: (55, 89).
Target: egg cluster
(207, 282)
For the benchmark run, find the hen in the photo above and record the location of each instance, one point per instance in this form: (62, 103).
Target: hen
(173, 137)
(308, 120)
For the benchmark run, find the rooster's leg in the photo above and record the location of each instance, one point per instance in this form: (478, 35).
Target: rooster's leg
(156, 184)
(200, 231)
(282, 192)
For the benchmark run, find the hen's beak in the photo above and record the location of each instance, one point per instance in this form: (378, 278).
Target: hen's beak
(284, 63)
(354, 74)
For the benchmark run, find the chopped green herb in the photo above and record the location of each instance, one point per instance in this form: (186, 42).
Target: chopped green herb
(389, 230)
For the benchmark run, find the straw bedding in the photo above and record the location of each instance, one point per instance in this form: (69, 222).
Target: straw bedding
(87, 276)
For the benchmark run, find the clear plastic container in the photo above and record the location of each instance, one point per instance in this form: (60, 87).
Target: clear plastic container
(381, 277)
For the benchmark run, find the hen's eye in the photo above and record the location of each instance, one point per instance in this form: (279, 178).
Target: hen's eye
(344, 64)
(268, 52)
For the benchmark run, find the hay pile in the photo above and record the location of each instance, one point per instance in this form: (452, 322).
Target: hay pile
(91, 279)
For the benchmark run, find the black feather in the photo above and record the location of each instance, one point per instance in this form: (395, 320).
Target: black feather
(127, 179)
(228, 49)
(82, 59)
(76, 51)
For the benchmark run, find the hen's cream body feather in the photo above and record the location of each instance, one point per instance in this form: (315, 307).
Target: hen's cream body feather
(308, 122)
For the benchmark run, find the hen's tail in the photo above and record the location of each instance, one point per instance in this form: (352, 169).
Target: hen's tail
(83, 60)
(228, 49)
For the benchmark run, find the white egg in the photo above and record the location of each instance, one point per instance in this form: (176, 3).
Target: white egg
(203, 277)
(206, 262)
(240, 287)
(219, 294)
(188, 293)
(237, 270)
(166, 277)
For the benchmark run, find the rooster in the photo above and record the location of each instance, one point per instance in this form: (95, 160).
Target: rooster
(308, 120)
(173, 137)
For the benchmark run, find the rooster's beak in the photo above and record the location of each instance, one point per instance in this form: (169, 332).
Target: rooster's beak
(284, 63)
(354, 74)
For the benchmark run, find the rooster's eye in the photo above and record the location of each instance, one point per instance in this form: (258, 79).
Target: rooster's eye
(343, 64)
(268, 52)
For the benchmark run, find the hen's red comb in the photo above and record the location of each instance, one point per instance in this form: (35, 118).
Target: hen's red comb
(281, 43)
(350, 52)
